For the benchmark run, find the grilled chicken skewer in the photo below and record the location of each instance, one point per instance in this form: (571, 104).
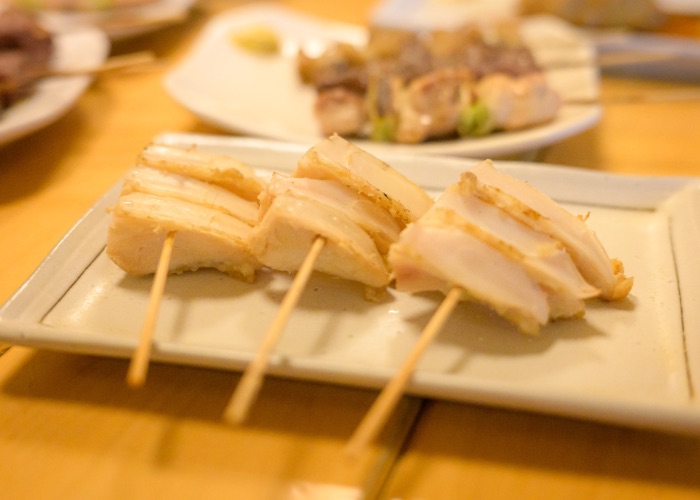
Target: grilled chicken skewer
(181, 209)
(338, 213)
(411, 87)
(496, 240)
(293, 216)
(539, 212)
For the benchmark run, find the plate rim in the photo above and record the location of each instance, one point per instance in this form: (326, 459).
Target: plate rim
(159, 13)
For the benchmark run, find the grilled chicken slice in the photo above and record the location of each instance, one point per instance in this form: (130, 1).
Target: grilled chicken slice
(290, 221)
(208, 200)
(543, 257)
(540, 212)
(374, 220)
(517, 102)
(337, 159)
(508, 246)
(340, 110)
(431, 105)
(440, 252)
(166, 184)
(205, 237)
(219, 170)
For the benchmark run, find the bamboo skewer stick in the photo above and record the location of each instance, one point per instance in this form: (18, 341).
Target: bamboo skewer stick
(115, 63)
(237, 409)
(136, 376)
(385, 403)
(140, 22)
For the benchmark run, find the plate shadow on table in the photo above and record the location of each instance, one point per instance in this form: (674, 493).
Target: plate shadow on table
(30, 159)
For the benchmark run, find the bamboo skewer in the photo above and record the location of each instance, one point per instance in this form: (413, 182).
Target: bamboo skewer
(115, 63)
(385, 403)
(237, 409)
(136, 376)
(135, 22)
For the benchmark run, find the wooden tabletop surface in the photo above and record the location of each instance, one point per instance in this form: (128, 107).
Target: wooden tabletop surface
(70, 428)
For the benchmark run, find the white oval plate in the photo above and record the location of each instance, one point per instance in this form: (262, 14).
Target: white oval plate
(124, 22)
(52, 97)
(261, 95)
(682, 7)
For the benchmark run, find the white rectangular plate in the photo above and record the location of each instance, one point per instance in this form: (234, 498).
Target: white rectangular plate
(261, 95)
(634, 362)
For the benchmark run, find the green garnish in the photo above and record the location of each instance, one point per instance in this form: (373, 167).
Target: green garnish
(475, 120)
(383, 129)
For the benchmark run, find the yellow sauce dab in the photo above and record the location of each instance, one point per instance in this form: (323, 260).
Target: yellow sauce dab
(260, 39)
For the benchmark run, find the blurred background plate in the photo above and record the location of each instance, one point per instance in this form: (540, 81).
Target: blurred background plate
(261, 94)
(79, 48)
(122, 22)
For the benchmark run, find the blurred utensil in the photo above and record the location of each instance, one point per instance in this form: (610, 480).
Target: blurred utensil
(648, 55)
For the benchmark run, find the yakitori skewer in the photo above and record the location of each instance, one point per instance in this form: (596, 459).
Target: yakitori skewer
(338, 213)
(496, 240)
(181, 209)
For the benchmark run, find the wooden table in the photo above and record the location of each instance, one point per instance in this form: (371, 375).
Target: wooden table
(70, 428)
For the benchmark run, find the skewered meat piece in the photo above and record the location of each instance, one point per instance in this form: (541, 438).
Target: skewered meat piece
(205, 237)
(439, 252)
(351, 199)
(341, 64)
(432, 105)
(484, 59)
(336, 158)
(220, 170)
(516, 102)
(543, 257)
(292, 218)
(513, 256)
(340, 110)
(181, 190)
(536, 209)
(25, 52)
(166, 184)
(372, 219)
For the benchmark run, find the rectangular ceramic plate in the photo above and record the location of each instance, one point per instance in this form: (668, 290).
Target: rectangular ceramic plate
(634, 362)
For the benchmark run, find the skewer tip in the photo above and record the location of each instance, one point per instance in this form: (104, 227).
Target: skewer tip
(135, 381)
(238, 407)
